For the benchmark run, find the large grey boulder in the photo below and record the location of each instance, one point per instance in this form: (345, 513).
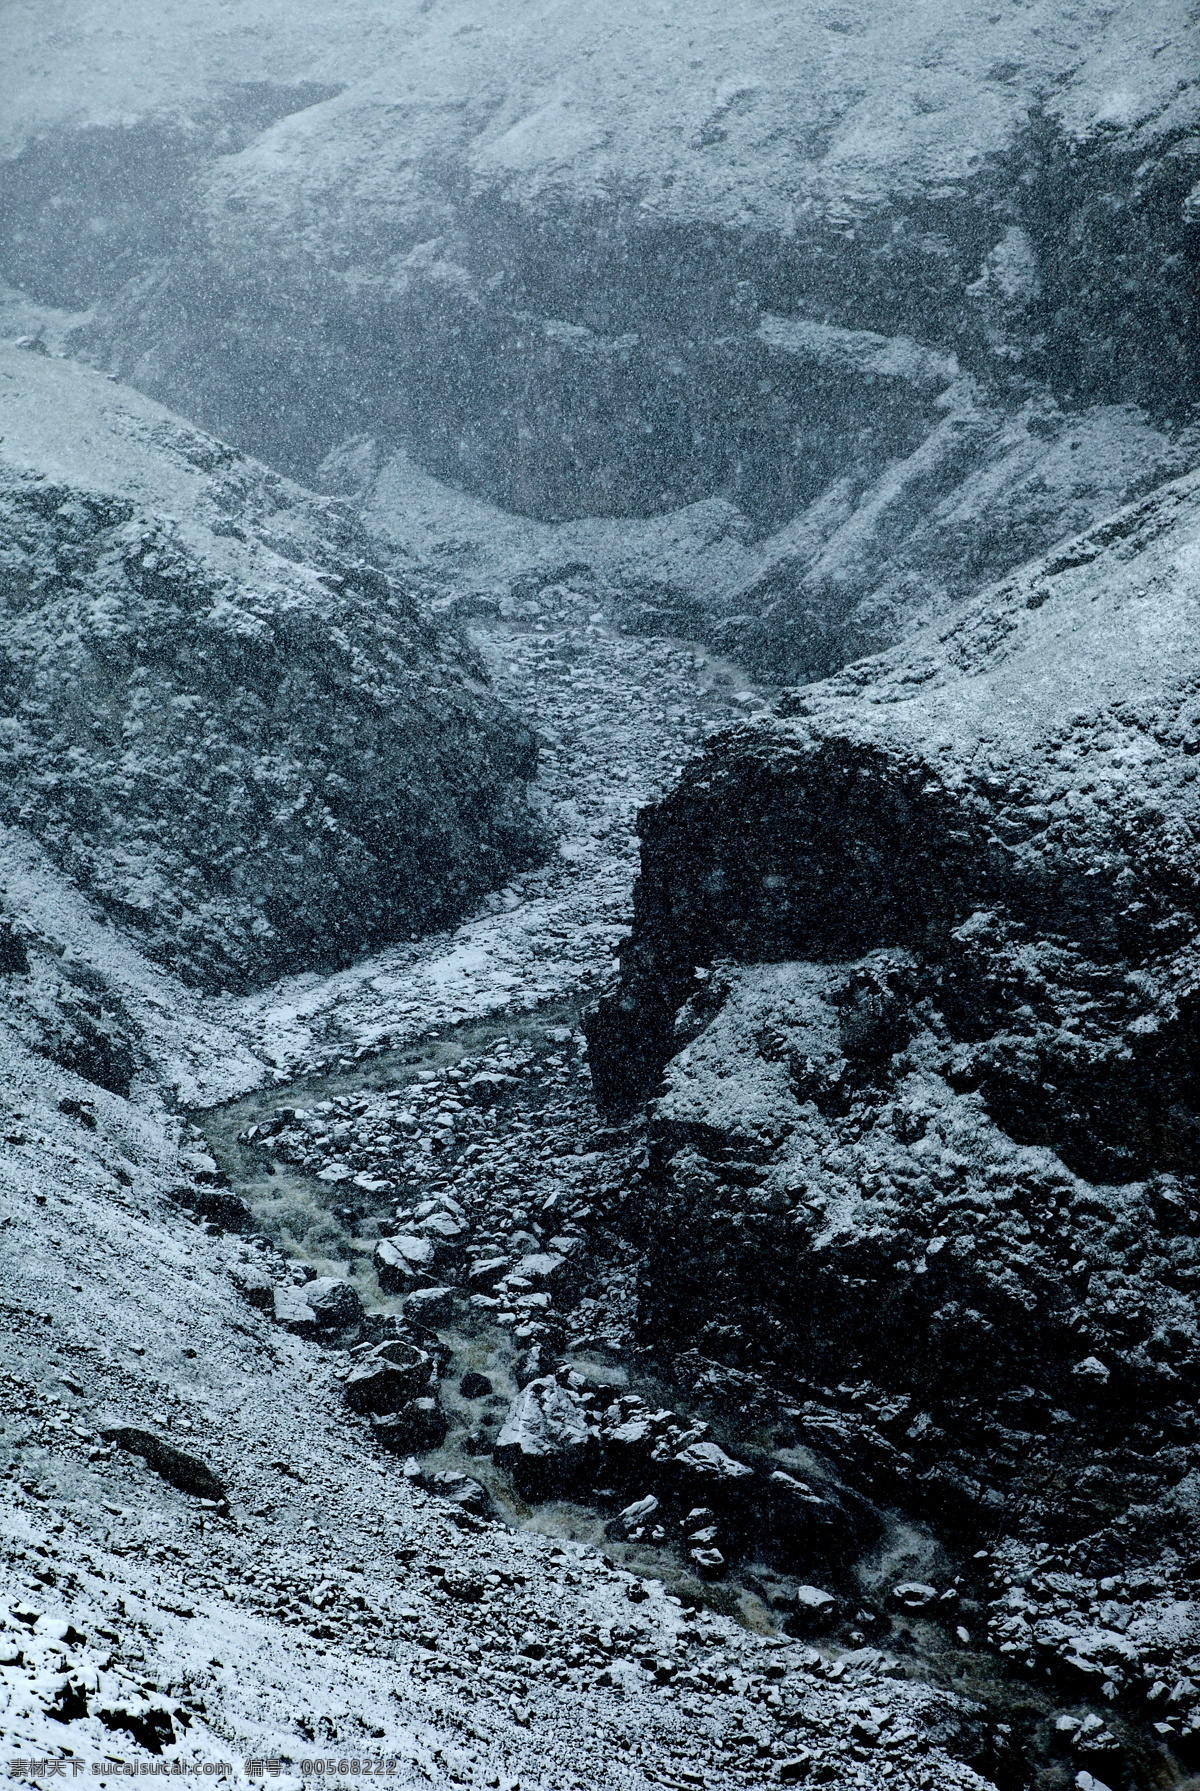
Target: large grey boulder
(327, 1303)
(387, 1377)
(403, 1262)
(547, 1442)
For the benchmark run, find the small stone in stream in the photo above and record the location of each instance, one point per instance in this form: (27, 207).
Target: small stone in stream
(913, 1595)
(475, 1386)
(426, 1307)
(418, 1425)
(546, 1442)
(186, 1472)
(402, 1261)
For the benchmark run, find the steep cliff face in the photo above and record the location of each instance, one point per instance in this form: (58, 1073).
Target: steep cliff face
(913, 987)
(222, 717)
(913, 293)
(1034, 756)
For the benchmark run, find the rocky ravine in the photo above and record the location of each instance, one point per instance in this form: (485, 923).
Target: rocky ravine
(219, 1549)
(912, 984)
(871, 1338)
(210, 1558)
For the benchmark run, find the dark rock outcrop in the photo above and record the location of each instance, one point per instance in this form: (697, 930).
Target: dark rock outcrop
(229, 725)
(913, 988)
(186, 1472)
(1017, 785)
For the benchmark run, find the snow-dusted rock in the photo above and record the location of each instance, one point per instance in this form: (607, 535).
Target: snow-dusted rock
(547, 1440)
(402, 1261)
(388, 1376)
(327, 1303)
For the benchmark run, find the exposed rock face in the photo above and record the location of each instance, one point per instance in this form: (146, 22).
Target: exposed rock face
(920, 966)
(228, 723)
(1018, 785)
(912, 297)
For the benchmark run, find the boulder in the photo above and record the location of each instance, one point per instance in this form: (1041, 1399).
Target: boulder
(220, 1207)
(427, 1307)
(420, 1424)
(642, 1511)
(547, 1442)
(709, 1469)
(459, 1489)
(540, 1267)
(913, 1595)
(807, 1525)
(254, 1284)
(387, 1377)
(812, 1609)
(444, 1230)
(328, 1303)
(181, 1470)
(488, 1272)
(402, 1262)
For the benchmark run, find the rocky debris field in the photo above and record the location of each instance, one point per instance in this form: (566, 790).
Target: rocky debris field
(469, 1243)
(222, 714)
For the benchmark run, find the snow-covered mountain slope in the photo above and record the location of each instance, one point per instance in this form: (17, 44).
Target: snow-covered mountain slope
(907, 287)
(223, 719)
